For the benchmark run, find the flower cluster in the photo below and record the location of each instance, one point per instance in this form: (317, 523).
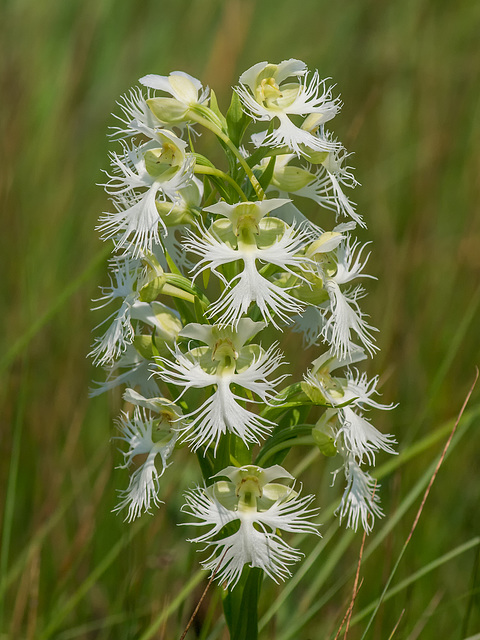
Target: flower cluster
(207, 260)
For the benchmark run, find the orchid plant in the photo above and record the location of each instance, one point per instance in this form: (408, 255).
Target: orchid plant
(206, 262)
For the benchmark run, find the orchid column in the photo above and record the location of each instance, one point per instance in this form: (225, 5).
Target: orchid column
(177, 334)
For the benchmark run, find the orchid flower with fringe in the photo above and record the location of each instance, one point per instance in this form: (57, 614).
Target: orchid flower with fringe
(267, 95)
(223, 363)
(261, 508)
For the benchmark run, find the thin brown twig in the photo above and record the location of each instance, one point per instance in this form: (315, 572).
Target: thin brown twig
(189, 624)
(444, 453)
(424, 499)
(396, 626)
(348, 615)
(348, 611)
(355, 590)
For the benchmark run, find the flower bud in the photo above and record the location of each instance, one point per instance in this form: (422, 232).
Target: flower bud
(324, 435)
(167, 324)
(291, 179)
(173, 214)
(325, 243)
(168, 110)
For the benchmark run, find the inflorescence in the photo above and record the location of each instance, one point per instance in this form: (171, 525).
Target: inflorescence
(206, 260)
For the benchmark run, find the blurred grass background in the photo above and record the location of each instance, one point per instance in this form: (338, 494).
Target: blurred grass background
(409, 75)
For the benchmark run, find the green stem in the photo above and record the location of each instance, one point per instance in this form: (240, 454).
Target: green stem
(287, 444)
(175, 292)
(218, 132)
(220, 174)
(240, 605)
(280, 436)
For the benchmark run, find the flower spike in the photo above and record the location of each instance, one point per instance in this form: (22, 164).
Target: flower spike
(208, 265)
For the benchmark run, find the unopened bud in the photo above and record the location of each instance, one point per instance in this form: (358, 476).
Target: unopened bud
(168, 109)
(324, 244)
(292, 179)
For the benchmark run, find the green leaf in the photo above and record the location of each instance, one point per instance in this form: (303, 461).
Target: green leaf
(264, 152)
(206, 464)
(200, 312)
(280, 435)
(237, 120)
(222, 457)
(184, 310)
(267, 175)
(224, 191)
(232, 601)
(203, 161)
(216, 109)
(240, 451)
(240, 605)
(206, 277)
(290, 397)
(171, 264)
(247, 625)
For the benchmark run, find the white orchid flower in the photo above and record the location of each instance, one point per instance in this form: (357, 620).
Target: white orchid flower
(324, 185)
(131, 369)
(186, 92)
(350, 396)
(270, 91)
(137, 118)
(339, 261)
(262, 508)
(247, 235)
(360, 500)
(150, 436)
(221, 364)
(120, 330)
(159, 168)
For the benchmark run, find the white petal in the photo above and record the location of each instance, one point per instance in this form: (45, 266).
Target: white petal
(249, 77)
(142, 490)
(310, 324)
(261, 549)
(361, 438)
(360, 499)
(115, 339)
(345, 318)
(288, 134)
(221, 413)
(137, 373)
(361, 389)
(252, 287)
(154, 81)
(136, 225)
(143, 487)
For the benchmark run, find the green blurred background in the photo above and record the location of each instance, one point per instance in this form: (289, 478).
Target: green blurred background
(408, 72)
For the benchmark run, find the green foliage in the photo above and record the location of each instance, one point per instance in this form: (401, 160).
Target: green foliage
(237, 120)
(240, 605)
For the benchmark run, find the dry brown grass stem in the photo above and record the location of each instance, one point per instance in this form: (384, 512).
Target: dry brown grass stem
(199, 603)
(396, 626)
(348, 615)
(424, 499)
(348, 612)
(355, 589)
(441, 459)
